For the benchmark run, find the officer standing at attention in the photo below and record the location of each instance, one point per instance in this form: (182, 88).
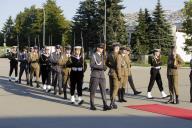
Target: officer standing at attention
(114, 64)
(46, 69)
(66, 70)
(98, 68)
(13, 62)
(124, 73)
(190, 81)
(155, 74)
(174, 62)
(78, 67)
(24, 65)
(56, 70)
(35, 68)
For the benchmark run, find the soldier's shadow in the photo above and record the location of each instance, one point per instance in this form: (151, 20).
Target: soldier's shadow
(26, 91)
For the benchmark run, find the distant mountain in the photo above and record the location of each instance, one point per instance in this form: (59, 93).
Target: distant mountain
(174, 17)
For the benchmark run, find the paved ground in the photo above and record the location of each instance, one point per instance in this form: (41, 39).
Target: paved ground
(25, 107)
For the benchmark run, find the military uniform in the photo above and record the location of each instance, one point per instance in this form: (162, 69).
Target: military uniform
(191, 81)
(24, 65)
(98, 78)
(34, 67)
(130, 77)
(66, 70)
(124, 59)
(78, 67)
(56, 71)
(13, 64)
(45, 71)
(114, 63)
(155, 75)
(172, 75)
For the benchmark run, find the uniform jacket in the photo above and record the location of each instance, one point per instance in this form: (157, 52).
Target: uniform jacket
(173, 64)
(13, 58)
(114, 63)
(54, 59)
(97, 66)
(23, 59)
(63, 63)
(34, 59)
(125, 62)
(77, 66)
(45, 61)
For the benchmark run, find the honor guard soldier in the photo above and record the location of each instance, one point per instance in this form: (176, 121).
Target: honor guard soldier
(34, 67)
(130, 77)
(24, 65)
(124, 60)
(114, 64)
(155, 74)
(46, 69)
(56, 70)
(13, 62)
(174, 62)
(66, 70)
(190, 76)
(78, 67)
(98, 68)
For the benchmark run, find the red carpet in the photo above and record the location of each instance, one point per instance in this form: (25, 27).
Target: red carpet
(165, 110)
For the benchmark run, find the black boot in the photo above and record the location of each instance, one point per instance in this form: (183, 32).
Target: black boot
(191, 100)
(31, 83)
(106, 107)
(119, 95)
(38, 84)
(170, 101)
(177, 99)
(65, 92)
(137, 92)
(122, 95)
(113, 105)
(55, 90)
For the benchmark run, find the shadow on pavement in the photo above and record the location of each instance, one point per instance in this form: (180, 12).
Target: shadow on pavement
(94, 122)
(26, 91)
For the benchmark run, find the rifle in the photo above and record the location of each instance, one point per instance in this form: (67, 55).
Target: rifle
(82, 53)
(17, 47)
(73, 42)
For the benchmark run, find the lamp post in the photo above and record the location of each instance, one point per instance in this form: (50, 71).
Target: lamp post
(43, 27)
(105, 23)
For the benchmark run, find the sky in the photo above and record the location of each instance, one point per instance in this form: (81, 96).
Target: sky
(13, 7)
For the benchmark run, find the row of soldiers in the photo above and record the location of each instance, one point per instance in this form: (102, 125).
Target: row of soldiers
(63, 67)
(58, 68)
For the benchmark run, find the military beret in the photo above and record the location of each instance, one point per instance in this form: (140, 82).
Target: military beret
(57, 46)
(68, 46)
(101, 45)
(123, 48)
(128, 49)
(116, 44)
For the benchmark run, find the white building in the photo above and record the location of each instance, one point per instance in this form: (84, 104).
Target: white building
(180, 43)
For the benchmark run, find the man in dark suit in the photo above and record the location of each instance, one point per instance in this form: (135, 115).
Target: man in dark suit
(98, 78)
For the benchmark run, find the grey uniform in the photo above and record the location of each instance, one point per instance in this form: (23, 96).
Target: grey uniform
(56, 72)
(97, 78)
(24, 66)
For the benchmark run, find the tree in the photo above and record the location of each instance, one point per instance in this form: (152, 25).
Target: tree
(140, 42)
(116, 28)
(160, 31)
(86, 21)
(187, 24)
(56, 24)
(8, 32)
